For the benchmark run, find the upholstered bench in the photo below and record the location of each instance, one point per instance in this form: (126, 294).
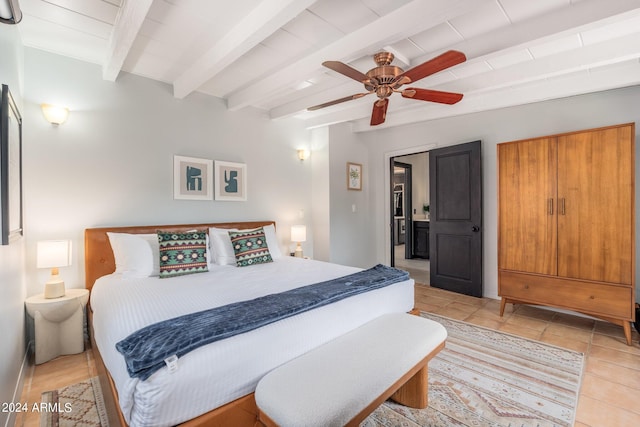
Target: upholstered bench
(344, 380)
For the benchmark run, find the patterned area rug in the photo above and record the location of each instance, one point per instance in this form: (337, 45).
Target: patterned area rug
(77, 405)
(488, 378)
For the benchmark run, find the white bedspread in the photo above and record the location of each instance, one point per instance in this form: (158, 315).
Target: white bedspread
(221, 372)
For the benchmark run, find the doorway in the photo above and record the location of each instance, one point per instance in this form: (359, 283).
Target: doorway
(445, 219)
(410, 182)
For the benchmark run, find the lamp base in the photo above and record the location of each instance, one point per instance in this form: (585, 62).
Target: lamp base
(298, 252)
(54, 288)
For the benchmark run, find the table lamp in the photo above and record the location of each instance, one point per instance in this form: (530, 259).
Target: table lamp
(298, 234)
(54, 254)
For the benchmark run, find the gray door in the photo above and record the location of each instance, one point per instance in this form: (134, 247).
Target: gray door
(455, 240)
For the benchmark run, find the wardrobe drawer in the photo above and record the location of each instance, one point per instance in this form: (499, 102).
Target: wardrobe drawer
(599, 299)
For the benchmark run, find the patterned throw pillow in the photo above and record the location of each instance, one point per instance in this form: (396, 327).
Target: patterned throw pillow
(250, 247)
(182, 253)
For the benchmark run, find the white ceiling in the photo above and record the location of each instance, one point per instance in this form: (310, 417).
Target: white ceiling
(267, 54)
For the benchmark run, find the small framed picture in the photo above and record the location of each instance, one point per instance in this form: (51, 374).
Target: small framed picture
(354, 176)
(230, 181)
(192, 178)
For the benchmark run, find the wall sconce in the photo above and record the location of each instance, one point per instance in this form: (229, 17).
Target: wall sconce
(10, 12)
(55, 115)
(303, 154)
(54, 254)
(298, 234)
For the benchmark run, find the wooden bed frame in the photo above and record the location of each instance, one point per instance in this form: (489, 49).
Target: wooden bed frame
(99, 262)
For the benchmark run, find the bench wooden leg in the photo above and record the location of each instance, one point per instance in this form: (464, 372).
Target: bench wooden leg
(414, 393)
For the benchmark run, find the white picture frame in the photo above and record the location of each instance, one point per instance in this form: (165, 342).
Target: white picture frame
(192, 178)
(230, 181)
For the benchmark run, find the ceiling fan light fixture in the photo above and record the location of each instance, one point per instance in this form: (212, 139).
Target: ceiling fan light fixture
(384, 91)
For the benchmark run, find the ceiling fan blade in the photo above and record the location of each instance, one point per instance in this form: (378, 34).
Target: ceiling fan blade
(432, 66)
(432, 95)
(338, 101)
(346, 70)
(379, 112)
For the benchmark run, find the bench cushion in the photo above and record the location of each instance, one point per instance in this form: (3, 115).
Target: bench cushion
(333, 383)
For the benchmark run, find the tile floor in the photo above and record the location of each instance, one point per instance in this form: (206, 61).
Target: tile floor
(610, 393)
(418, 268)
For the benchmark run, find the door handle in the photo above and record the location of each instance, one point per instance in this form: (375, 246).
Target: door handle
(475, 228)
(550, 206)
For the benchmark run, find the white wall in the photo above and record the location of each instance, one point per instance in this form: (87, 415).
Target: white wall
(12, 281)
(321, 194)
(351, 240)
(111, 163)
(492, 127)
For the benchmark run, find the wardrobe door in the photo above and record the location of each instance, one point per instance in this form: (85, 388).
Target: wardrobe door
(595, 197)
(527, 209)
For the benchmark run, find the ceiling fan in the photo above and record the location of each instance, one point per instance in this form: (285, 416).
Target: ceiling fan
(385, 79)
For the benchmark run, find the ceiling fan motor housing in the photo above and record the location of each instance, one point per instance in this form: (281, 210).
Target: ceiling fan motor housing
(381, 79)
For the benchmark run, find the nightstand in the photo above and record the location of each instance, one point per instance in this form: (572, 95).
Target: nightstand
(59, 323)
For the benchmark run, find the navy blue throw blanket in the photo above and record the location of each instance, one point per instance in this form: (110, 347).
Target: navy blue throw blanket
(146, 349)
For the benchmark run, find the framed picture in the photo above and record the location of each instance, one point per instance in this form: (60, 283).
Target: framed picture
(231, 181)
(354, 176)
(192, 178)
(10, 168)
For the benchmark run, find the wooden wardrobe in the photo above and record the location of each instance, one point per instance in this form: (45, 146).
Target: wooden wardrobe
(566, 223)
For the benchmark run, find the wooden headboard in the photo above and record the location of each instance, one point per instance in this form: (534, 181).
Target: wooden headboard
(98, 256)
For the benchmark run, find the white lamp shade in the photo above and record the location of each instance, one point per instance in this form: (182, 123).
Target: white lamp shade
(10, 12)
(298, 233)
(5, 10)
(54, 114)
(54, 253)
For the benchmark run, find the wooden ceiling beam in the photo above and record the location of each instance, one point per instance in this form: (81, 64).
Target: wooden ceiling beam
(256, 26)
(125, 30)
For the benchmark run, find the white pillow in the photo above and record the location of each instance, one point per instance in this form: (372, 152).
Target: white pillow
(138, 255)
(222, 250)
(272, 241)
(220, 244)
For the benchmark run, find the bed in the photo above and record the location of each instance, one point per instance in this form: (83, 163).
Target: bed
(213, 384)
